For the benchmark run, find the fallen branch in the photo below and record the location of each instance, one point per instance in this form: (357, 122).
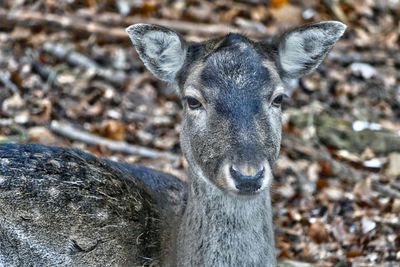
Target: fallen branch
(69, 131)
(374, 57)
(5, 79)
(100, 24)
(78, 59)
(341, 170)
(29, 18)
(184, 27)
(386, 190)
(45, 72)
(338, 133)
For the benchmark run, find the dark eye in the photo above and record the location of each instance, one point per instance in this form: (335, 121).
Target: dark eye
(193, 103)
(277, 102)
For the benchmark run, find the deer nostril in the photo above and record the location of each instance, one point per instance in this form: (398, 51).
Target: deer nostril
(247, 180)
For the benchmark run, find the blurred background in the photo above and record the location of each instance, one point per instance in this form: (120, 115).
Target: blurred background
(69, 76)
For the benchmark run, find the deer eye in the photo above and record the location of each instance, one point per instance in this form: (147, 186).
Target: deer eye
(193, 103)
(277, 102)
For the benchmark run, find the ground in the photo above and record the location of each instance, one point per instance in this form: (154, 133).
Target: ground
(336, 195)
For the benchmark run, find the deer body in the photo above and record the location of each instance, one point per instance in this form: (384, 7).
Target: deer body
(231, 90)
(64, 207)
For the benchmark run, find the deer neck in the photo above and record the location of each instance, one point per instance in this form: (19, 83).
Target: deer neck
(219, 229)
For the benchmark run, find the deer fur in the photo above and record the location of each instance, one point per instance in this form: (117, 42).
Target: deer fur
(235, 81)
(231, 90)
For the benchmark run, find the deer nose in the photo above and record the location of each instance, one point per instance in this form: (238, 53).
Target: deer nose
(247, 179)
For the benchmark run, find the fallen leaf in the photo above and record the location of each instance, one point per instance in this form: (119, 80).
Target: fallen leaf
(367, 225)
(318, 232)
(278, 3)
(362, 69)
(112, 129)
(393, 166)
(41, 135)
(396, 206)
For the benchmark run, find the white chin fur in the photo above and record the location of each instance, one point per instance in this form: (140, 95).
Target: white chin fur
(229, 181)
(267, 180)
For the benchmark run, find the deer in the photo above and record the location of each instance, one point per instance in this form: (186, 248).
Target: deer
(65, 207)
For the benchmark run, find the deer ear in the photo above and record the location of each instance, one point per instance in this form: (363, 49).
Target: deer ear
(162, 50)
(301, 50)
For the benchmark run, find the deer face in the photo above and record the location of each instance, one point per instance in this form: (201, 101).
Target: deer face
(231, 90)
(232, 121)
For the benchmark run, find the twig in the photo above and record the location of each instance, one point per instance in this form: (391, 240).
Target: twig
(184, 27)
(69, 131)
(385, 190)
(373, 57)
(336, 10)
(75, 58)
(45, 72)
(5, 79)
(29, 18)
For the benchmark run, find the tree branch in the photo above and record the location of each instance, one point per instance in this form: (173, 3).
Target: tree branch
(60, 51)
(70, 132)
(110, 25)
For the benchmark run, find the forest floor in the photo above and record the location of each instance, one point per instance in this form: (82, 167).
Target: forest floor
(69, 74)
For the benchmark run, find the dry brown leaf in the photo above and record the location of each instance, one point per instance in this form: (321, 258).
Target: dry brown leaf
(15, 102)
(393, 167)
(278, 3)
(396, 206)
(287, 15)
(41, 135)
(353, 252)
(42, 111)
(318, 232)
(112, 129)
(363, 191)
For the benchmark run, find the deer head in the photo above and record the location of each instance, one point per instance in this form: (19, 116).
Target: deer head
(231, 90)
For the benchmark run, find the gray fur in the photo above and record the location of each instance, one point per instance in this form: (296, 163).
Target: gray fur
(62, 207)
(236, 80)
(302, 50)
(220, 229)
(161, 50)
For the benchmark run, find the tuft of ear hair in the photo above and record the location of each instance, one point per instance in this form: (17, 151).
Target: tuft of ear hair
(302, 49)
(162, 50)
